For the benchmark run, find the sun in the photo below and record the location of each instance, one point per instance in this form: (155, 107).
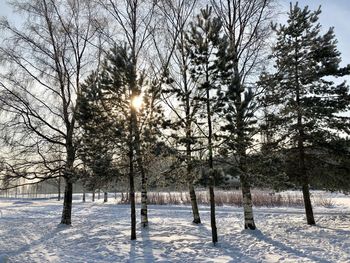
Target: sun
(137, 102)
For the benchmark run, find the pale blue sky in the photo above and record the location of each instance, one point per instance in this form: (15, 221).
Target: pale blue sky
(334, 13)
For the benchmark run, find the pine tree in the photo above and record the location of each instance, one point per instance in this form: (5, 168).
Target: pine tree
(118, 125)
(204, 43)
(98, 137)
(246, 26)
(304, 101)
(183, 93)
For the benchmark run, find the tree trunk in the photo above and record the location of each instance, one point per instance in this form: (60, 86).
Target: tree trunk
(305, 182)
(139, 159)
(132, 202)
(214, 233)
(99, 194)
(67, 203)
(93, 195)
(105, 198)
(195, 211)
(131, 179)
(144, 201)
(59, 189)
(211, 169)
(84, 198)
(247, 204)
(302, 167)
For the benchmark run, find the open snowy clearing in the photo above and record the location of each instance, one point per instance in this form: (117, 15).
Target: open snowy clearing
(29, 232)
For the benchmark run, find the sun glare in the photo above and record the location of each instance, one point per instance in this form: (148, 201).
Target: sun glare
(137, 102)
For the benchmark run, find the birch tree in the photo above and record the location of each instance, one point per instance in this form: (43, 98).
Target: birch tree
(44, 60)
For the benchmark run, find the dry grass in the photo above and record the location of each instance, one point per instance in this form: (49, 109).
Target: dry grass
(233, 198)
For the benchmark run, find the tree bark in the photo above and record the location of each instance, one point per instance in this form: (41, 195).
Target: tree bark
(304, 179)
(247, 204)
(59, 189)
(84, 197)
(195, 211)
(214, 233)
(105, 197)
(211, 168)
(93, 195)
(139, 159)
(131, 179)
(67, 203)
(301, 134)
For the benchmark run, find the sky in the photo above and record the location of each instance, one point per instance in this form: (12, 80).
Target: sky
(334, 13)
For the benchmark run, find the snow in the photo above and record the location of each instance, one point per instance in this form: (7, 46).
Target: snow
(29, 232)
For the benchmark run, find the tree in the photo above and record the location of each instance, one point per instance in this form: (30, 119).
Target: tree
(44, 61)
(204, 43)
(179, 92)
(98, 137)
(304, 99)
(246, 26)
(134, 20)
(107, 137)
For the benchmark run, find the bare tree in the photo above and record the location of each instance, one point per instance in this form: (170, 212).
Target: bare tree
(44, 61)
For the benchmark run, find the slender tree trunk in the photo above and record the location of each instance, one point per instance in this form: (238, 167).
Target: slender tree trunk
(214, 233)
(59, 189)
(105, 197)
(305, 180)
(99, 194)
(84, 197)
(93, 195)
(144, 201)
(131, 179)
(132, 200)
(307, 202)
(67, 203)
(302, 167)
(195, 211)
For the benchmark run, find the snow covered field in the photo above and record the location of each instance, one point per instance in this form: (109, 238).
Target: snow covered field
(29, 232)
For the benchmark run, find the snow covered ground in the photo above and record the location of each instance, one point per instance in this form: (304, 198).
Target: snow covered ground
(29, 232)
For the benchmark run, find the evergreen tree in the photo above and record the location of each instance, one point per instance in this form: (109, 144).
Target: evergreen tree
(204, 42)
(246, 26)
(99, 134)
(304, 101)
(182, 101)
(121, 121)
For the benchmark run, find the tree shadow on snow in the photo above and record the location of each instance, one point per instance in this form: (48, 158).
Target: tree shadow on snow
(262, 237)
(37, 242)
(147, 245)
